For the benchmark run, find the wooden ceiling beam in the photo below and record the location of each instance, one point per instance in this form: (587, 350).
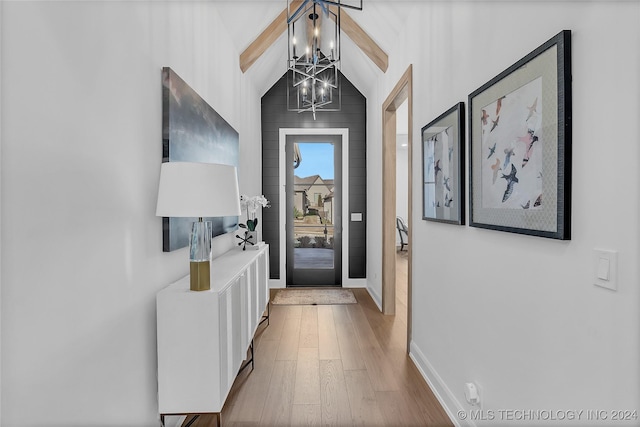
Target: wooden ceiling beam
(266, 38)
(347, 24)
(362, 40)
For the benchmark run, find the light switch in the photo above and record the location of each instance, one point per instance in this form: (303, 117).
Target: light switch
(356, 216)
(605, 265)
(603, 268)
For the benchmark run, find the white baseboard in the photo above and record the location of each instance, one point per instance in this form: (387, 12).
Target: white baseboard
(277, 284)
(354, 283)
(347, 283)
(375, 297)
(446, 398)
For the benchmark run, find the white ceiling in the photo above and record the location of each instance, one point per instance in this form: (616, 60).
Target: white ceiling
(246, 19)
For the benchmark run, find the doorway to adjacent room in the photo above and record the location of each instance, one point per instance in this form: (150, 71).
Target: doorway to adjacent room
(403, 91)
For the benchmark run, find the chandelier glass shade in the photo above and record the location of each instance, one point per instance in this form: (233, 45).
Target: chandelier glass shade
(314, 56)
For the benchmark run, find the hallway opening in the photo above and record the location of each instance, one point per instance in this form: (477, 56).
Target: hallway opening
(402, 92)
(402, 210)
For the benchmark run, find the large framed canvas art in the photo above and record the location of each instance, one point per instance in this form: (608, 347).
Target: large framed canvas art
(192, 131)
(520, 145)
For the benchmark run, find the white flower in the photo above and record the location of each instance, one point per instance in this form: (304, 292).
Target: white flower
(251, 203)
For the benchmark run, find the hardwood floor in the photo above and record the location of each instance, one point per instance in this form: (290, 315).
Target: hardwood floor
(340, 365)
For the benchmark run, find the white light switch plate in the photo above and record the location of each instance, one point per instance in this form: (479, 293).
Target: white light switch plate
(605, 269)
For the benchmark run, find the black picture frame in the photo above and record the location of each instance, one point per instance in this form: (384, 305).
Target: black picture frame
(443, 167)
(520, 145)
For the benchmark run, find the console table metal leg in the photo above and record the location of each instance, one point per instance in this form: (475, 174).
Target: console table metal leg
(192, 420)
(266, 318)
(252, 358)
(248, 362)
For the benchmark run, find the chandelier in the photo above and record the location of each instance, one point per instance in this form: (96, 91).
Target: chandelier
(314, 54)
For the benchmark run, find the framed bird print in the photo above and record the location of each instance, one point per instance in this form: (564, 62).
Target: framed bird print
(443, 167)
(520, 145)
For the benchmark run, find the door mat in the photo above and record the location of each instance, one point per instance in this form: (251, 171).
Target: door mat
(314, 297)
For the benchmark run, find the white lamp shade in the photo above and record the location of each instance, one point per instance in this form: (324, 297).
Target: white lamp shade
(198, 190)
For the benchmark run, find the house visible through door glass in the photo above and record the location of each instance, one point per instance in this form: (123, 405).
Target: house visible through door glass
(313, 207)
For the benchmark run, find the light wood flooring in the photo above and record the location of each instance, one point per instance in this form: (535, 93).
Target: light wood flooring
(340, 365)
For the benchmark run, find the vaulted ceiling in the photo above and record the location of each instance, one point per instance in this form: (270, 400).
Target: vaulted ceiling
(246, 20)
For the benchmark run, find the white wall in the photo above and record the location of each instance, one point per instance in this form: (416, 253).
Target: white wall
(517, 314)
(81, 247)
(374, 191)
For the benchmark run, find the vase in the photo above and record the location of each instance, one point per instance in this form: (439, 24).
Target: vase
(252, 237)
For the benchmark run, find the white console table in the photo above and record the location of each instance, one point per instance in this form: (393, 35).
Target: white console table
(203, 337)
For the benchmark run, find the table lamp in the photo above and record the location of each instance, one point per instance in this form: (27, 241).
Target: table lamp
(198, 190)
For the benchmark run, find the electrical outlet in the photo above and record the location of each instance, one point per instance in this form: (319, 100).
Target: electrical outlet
(472, 394)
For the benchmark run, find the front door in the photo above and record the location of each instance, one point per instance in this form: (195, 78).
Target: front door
(314, 206)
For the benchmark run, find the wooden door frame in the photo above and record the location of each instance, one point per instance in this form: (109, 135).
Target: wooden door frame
(403, 91)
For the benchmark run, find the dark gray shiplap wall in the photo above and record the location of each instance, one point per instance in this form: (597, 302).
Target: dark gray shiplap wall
(353, 116)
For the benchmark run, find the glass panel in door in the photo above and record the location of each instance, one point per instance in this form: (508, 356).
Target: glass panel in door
(313, 210)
